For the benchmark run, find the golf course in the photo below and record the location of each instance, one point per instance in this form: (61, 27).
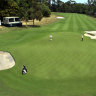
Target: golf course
(65, 66)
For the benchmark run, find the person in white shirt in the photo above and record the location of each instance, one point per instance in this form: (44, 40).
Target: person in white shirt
(51, 37)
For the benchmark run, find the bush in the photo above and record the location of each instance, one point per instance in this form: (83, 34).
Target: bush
(46, 11)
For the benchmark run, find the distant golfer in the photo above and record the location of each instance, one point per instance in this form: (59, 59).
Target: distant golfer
(24, 70)
(51, 37)
(82, 37)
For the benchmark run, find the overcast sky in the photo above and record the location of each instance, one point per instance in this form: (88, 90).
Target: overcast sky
(78, 1)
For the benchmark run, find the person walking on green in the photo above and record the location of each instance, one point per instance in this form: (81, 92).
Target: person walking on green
(51, 37)
(82, 37)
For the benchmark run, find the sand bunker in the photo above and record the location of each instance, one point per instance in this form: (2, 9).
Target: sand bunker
(91, 34)
(6, 60)
(60, 17)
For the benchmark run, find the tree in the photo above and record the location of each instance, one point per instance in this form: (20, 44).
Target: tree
(8, 8)
(30, 9)
(45, 11)
(33, 9)
(35, 12)
(23, 10)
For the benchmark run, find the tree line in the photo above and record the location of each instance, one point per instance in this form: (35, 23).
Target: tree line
(37, 9)
(72, 6)
(25, 9)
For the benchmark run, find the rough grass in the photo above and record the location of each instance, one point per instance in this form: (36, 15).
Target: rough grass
(62, 67)
(44, 21)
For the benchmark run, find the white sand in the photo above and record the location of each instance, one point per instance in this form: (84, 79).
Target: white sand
(60, 17)
(91, 34)
(6, 60)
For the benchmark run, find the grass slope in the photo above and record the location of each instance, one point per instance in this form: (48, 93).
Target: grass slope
(62, 67)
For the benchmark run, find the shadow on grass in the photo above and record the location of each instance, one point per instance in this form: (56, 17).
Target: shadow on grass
(34, 26)
(23, 26)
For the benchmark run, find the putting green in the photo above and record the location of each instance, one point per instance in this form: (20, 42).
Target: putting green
(64, 66)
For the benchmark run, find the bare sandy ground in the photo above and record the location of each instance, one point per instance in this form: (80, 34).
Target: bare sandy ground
(45, 20)
(0, 26)
(91, 34)
(6, 60)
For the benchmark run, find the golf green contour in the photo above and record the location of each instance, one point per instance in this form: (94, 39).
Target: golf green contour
(63, 66)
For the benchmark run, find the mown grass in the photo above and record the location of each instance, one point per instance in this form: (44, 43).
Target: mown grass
(62, 67)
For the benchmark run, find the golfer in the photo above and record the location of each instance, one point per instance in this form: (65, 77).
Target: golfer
(82, 37)
(24, 70)
(51, 37)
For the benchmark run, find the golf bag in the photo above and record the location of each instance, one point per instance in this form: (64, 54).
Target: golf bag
(24, 70)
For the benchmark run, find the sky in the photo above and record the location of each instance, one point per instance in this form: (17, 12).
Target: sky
(78, 1)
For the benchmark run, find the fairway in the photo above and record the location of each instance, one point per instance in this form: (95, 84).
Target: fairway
(65, 66)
